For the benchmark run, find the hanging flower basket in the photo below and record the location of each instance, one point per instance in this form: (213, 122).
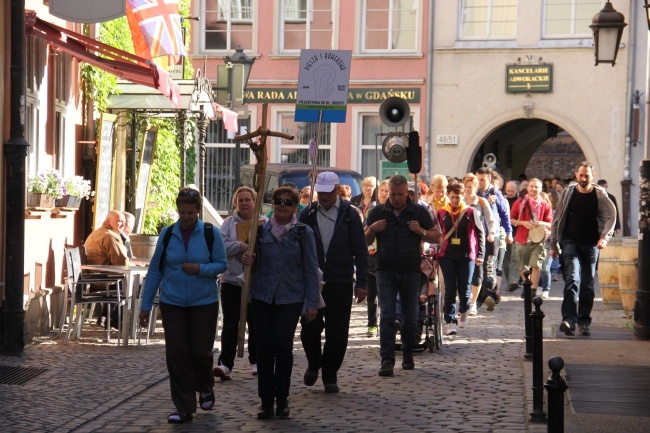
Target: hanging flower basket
(69, 202)
(40, 201)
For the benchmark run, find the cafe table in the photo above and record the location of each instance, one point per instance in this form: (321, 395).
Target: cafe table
(133, 274)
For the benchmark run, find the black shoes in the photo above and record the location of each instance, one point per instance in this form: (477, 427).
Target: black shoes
(568, 329)
(266, 412)
(512, 287)
(206, 402)
(331, 388)
(282, 408)
(584, 330)
(386, 369)
(407, 361)
(310, 377)
(179, 418)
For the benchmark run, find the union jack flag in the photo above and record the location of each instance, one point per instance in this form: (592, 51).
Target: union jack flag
(156, 29)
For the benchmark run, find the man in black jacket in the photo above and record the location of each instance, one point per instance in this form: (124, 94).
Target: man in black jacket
(400, 227)
(341, 246)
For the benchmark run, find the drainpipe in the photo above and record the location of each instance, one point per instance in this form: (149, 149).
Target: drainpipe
(12, 321)
(429, 90)
(626, 183)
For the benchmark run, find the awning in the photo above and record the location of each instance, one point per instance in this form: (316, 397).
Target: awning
(125, 65)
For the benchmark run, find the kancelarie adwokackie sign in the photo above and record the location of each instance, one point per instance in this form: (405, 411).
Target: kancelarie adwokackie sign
(529, 78)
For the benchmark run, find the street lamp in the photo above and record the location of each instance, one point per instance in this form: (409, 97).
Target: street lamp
(246, 64)
(607, 25)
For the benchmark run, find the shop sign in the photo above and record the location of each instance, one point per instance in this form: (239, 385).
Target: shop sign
(529, 78)
(355, 95)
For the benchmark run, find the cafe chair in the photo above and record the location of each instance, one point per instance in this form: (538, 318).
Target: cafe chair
(153, 314)
(81, 293)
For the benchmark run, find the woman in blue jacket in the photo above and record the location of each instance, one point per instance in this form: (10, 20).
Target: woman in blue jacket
(186, 271)
(284, 282)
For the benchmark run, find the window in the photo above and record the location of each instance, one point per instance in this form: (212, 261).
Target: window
(296, 151)
(569, 18)
(220, 164)
(306, 24)
(31, 134)
(489, 19)
(390, 25)
(63, 65)
(228, 24)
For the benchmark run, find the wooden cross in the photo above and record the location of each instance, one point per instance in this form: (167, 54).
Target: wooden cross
(259, 181)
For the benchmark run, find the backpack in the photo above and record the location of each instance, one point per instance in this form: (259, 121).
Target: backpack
(209, 240)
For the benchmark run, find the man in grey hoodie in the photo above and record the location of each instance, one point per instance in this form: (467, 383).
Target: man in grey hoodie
(583, 224)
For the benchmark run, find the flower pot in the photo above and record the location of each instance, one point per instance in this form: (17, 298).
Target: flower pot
(40, 201)
(69, 202)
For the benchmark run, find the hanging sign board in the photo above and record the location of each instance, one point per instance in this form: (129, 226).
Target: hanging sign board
(144, 176)
(323, 85)
(104, 169)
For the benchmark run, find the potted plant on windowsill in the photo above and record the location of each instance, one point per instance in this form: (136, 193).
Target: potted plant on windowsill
(44, 188)
(76, 189)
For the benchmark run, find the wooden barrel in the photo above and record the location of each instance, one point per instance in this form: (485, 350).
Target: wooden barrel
(608, 261)
(628, 274)
(143, 246)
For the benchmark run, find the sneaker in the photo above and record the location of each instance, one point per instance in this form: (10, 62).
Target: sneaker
(310, 377)
(584, 330)
(206, 400)
(463, 320)
(222, 372)
(512, 287)
(473, 311)
(372, 331)
(254, 370)
(450, 329)
(538, 291)
(567, 328)
(545, 294)
(407, 361)
(489, 303)
(179, 418)
(386, 369)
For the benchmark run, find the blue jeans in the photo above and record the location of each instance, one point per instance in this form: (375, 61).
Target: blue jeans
(579, 271)
(457, 275)
(389, 284)
(545, 275)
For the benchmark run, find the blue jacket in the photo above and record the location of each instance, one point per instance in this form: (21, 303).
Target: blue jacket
(280, 274)
(348, 248)
(500, 209)
(178, 287)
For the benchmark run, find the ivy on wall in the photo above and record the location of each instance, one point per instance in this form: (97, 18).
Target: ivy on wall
(98, 85)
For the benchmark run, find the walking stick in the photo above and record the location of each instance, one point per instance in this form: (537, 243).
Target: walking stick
(259, 184)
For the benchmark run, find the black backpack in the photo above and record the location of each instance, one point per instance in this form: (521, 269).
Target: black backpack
(209, 240)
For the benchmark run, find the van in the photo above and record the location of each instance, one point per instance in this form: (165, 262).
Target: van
(299, 175)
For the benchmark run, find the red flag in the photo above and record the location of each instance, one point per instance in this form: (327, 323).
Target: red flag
(156, 30)
(229, 117)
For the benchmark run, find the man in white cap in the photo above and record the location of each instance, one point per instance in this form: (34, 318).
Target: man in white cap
(341, 246)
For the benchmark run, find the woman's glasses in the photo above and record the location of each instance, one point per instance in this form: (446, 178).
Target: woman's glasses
(284, 201)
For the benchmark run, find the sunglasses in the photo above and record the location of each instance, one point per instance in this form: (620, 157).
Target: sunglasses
(189, 192)
(284, 201)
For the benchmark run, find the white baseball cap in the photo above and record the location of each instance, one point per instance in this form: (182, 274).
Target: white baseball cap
(326, 181)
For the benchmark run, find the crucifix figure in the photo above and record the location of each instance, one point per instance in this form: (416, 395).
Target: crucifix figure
(259, 180)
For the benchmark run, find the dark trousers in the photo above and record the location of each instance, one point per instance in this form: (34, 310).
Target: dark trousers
(372, 300)
(488, 286)
(189, 338)
(276, 326)
(230, 307)
(457, 275)
(579, 264)
(335, 319)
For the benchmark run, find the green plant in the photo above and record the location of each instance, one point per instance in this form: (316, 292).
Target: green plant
(48, 182)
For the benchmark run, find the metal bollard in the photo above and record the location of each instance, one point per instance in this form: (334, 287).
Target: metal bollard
(537, 323)
(556, 387)
(527, 310)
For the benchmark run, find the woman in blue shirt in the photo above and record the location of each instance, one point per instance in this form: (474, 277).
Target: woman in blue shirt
(284, 282)
(186, 271)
